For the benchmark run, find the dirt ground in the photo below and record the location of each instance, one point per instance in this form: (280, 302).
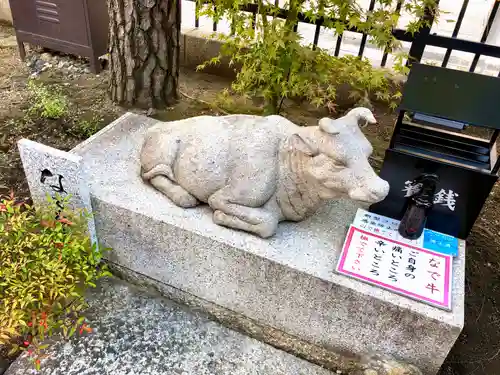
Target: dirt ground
(477, 350)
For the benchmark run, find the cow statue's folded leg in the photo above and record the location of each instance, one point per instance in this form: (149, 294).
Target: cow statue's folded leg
(175, 192)
(231, 211)
(264, 229)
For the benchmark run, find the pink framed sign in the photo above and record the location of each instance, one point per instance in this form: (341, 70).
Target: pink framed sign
(402, 268)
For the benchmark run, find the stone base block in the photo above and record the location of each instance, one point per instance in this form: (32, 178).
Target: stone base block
(287, 282)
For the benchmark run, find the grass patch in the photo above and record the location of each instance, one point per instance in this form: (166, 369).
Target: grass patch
(47, 102)
(232, 103)
(85, 128)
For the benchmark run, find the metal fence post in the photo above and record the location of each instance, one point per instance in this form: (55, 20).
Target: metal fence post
(418, 45)
(486, 32)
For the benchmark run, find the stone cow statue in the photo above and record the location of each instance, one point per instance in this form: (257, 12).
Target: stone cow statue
(256, 171)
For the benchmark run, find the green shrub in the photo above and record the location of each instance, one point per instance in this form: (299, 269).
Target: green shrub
(275, 65)
(47, 264)
(86, 127)
(47, 102)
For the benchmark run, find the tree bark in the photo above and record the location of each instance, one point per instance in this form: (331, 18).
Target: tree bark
(144, 46)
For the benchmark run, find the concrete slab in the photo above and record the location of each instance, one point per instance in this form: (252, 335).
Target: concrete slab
(5, 13)
(135, 332)
(287, 282)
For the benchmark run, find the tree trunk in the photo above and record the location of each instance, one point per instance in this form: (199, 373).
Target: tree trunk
(144, 43)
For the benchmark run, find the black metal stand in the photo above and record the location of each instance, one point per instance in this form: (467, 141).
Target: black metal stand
(437, 104)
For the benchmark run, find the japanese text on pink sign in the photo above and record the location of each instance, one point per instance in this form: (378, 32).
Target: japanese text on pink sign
(402, 268)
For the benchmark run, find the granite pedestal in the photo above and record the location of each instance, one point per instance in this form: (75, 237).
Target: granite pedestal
(287, 282)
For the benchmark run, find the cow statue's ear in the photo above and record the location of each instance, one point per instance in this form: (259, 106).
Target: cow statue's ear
(330, 126)
(304, 145)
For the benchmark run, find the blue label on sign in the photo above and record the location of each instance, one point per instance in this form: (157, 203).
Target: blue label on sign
(440, 243)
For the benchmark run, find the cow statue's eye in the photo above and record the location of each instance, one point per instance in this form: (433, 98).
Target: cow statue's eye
(340, 164)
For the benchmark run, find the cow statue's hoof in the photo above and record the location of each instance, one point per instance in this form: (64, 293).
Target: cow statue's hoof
(256, 171)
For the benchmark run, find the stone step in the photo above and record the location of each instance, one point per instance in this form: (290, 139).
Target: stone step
(135, 332)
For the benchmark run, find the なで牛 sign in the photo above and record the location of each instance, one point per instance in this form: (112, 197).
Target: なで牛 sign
(402, 268)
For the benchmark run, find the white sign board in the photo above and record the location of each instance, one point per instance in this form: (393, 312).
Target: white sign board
(383, 226)
(50, 172)
(405, 269)
(387, 227)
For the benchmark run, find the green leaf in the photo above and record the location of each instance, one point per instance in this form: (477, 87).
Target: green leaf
(13, 350)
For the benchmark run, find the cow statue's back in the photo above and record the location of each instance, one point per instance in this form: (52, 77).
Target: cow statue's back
(256, 171)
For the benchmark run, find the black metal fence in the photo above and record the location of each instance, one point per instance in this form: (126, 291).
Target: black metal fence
(418, 40)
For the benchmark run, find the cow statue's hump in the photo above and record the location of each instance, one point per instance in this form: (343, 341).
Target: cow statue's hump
(256, 171)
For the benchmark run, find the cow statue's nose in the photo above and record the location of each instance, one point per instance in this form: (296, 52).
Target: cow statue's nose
(374, 191)
(380, 190)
